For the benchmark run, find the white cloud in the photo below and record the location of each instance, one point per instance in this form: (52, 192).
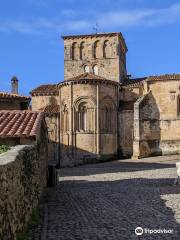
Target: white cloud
(148, 17)
(70, 20)
(22, 27)
(165, 16)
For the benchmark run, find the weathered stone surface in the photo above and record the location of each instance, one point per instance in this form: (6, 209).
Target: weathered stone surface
(107, 52)
(22, 179)
(158, 121)
(97, 138)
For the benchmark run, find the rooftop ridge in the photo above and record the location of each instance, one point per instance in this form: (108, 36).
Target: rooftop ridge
(138, 81)
(86, 76)
(134, 82)
(92, 34)
(13, 95)
(165, 76)
(45, 88)
(51, 108)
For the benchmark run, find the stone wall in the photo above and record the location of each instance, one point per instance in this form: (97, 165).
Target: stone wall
(52, 122)
(156, 121)
(146, 127)
(126, 133)
(126, 120)
(22, 179)
(11, 141)
(149, 118)
(8, 104)
(39, 102)
(167, 100)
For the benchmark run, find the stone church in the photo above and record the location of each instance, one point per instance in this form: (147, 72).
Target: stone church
(99, 113)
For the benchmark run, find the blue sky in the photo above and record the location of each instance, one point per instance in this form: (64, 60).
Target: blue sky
(30, 36)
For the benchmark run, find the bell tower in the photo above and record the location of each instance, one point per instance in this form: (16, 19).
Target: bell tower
(102, 54)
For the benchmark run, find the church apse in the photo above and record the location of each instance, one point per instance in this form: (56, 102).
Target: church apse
(88, 126)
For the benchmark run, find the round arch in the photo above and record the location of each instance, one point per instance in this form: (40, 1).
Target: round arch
(85, 99)
(108, 101)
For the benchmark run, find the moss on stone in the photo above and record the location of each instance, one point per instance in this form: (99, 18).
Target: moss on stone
(4, 148)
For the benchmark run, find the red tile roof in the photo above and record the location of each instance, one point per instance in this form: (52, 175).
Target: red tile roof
(164, 77)
(50, 109)
(136, 82)
(45, 89)
(20, 123)
(5, 95)
(87, 76)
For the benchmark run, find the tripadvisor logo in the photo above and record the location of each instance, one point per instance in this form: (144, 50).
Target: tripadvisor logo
(139, 231)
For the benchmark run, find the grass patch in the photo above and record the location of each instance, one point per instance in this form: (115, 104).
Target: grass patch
(4, 148)
(33, 221)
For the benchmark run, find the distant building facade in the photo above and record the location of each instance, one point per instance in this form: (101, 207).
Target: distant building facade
(97, 113)
(13, 101)
(23, 128)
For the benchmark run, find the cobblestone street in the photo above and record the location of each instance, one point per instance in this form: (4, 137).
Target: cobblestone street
(107, 201)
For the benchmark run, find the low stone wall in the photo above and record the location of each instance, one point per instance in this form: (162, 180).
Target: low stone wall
(22, 179)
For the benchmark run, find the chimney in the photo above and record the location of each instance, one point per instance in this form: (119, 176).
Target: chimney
(14, 85)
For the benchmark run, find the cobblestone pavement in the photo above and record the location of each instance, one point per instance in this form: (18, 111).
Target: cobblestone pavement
(107, 201)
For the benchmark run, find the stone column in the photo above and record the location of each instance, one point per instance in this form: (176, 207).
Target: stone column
(136, 139)
(58, 137)
(118, 126)
(59, 127)
(94, 128)
(137, 135)
(71, 118)
(97, 122)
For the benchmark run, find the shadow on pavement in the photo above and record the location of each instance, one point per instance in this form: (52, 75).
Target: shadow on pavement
(113, 167)
(110, 210)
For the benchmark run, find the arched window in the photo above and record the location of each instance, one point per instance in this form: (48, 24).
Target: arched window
(106, 49)
(95, 69)
(107, 115)
(83, 118)
(74, 51)
(96, 50)
(82, 51)
(86, 69)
